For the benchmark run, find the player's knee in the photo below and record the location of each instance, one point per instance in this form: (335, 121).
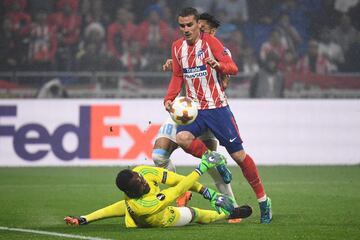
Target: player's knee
(184, 139)
(211, 144)
(160, 157)
(239, 156)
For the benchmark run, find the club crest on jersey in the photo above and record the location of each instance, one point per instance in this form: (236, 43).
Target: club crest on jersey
(226, 52)
(200, 54)
(160, 196)
(195, 72)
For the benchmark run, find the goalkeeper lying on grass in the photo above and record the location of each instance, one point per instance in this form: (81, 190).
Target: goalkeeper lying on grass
(145, 205)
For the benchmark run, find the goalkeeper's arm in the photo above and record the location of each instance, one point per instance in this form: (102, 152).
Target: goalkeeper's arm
(172, 193)
(173, 179)
(207, 161)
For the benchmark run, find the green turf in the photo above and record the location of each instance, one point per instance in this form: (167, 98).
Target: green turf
(308, 203)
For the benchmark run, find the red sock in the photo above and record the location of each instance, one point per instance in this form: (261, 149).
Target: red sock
(251, 174)
(197, 148)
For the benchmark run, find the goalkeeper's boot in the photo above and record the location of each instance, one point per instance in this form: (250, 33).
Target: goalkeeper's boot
(244, 211)
(75, 221)
(184, 199)
(265, 210)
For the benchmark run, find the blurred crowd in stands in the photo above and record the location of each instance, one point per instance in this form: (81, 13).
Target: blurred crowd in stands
(264, 36)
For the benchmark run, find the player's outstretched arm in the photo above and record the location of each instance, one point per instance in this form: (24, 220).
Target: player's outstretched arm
(114, 210)
(220, 202)
(208, 160)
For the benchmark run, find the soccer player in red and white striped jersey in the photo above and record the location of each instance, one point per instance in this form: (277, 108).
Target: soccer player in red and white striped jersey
(198, 61)
(165, 142)
(199, 67)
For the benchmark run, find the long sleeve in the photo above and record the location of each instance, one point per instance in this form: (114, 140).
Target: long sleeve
(164, 176)
(173, 179)
(176, 79)
(227, 65)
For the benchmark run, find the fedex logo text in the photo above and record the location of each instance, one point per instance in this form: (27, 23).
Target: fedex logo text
(90, 132)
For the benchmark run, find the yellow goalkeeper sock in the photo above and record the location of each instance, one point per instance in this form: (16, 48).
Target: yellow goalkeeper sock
(207, 216)
(114, 210)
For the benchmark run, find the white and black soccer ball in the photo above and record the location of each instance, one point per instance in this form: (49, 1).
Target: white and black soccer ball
(184, 110)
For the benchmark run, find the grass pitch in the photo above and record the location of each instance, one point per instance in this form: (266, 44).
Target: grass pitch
(308, 203)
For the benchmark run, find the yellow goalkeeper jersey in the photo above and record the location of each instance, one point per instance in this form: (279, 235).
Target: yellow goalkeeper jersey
(153, 209)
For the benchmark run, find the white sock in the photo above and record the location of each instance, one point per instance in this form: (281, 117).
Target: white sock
(161, 159)
(170, 166)
(222, 187)
(262, 199)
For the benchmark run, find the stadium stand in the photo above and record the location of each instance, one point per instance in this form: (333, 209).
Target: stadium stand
(98, 48)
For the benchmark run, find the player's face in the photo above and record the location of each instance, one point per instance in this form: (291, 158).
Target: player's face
(206, 28)
(140, 184)
(190, 28)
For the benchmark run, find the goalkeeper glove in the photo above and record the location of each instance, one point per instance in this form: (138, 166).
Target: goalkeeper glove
(209, 160)
(221, 203)
(75, 221)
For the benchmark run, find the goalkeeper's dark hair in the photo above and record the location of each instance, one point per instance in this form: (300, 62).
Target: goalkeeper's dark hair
(189, 11)
(123, 182)
(212, 21)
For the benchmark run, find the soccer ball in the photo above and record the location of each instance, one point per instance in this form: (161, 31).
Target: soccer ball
(183, 110)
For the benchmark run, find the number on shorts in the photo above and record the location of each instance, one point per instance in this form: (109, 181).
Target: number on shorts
(167, 129)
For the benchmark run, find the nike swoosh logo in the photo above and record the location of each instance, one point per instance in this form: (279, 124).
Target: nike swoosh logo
(233, 139)
(211, 159)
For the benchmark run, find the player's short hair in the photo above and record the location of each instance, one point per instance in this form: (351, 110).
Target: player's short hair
(189, 11)
(212, 21)
(124, 183)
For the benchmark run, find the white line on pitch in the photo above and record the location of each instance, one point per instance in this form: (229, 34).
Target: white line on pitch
(64, 235)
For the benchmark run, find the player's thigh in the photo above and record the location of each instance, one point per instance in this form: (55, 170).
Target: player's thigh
(209, 140)
(222, 123)
(196, 128)
(167, 130)
(186, 133)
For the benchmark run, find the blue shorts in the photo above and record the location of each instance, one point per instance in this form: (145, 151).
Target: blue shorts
(221, 122)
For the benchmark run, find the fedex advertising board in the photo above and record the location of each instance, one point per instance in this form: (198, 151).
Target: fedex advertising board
(53, 132)
(122, 132)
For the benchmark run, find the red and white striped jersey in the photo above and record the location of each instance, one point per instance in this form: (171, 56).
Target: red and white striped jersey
(203, 83)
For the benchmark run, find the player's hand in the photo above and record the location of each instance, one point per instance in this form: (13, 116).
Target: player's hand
(223, 204)
(212, 62)
(225, 81)
(168, 105)
(167, 66)
(75, 221)
(209, 160)
(220, 202)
